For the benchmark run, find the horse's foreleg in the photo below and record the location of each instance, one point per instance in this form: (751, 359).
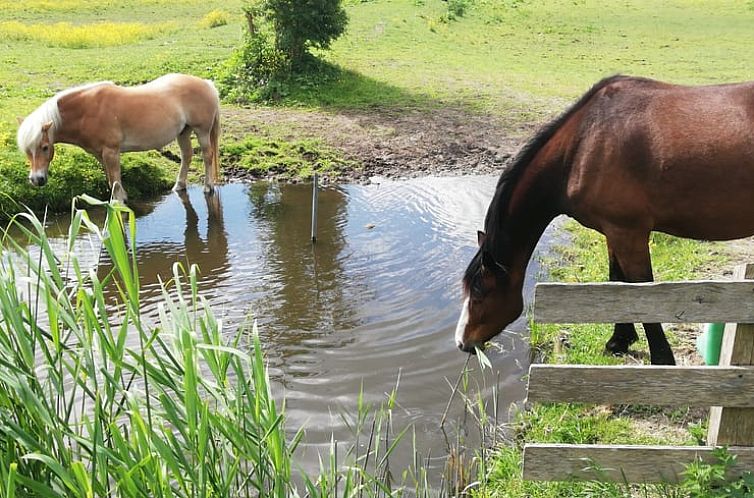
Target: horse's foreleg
(111, 161)
(624, 334)
(184, 142)
(207, 153)
(631, 251)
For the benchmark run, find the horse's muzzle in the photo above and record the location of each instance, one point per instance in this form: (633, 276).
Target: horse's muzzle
(467, 348)
(38, 180)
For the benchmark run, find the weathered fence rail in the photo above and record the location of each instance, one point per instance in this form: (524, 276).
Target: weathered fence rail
(728, 388)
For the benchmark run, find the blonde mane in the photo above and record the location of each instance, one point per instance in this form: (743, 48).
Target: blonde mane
(30, 132)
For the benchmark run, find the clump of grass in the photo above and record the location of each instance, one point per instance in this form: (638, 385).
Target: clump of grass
(265, 156)
(74, 172)
(214, 19)
(96, 35)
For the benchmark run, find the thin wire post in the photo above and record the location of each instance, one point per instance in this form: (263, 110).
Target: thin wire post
(315, 198)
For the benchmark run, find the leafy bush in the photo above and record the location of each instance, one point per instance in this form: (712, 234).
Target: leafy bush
(708, 480)
(276, 48)
(255, 71)
(457, 8)
(300, 26)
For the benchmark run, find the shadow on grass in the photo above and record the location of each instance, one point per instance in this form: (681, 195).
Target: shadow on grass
(323, 84)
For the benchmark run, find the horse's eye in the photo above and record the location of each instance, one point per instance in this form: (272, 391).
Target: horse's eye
(45, 148)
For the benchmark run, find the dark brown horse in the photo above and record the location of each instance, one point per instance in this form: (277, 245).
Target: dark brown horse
(633, 155)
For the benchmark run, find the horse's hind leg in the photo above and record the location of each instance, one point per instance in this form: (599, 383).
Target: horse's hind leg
(207, 155)
(625, 333)
(631, 251)
(184, 142)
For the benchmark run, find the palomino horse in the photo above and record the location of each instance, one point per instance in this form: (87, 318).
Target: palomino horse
(631, 156)
(105, 120)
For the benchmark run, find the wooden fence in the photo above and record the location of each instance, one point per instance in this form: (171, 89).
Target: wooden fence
(728, 388)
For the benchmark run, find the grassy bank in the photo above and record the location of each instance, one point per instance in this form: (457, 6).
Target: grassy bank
(585, 260)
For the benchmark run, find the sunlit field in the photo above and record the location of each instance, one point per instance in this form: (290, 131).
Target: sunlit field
(97, 35)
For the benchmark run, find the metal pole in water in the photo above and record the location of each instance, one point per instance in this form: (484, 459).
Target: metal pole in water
(315, 196)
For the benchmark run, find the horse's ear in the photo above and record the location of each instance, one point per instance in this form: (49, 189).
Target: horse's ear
(480, 237)
(488, 262)
(46, 126)
(19, 119)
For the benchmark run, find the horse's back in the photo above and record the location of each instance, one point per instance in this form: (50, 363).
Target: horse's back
(151, 115)
(676, 158)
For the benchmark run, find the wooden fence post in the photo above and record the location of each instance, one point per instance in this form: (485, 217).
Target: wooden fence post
(735, 426)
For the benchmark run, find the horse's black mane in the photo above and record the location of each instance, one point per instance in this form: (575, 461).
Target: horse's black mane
(511, 175)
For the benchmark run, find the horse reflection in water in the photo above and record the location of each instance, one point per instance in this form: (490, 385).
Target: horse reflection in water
(157, 259)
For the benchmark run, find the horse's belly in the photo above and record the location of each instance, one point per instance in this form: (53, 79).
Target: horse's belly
(140, 140)
(709, 220)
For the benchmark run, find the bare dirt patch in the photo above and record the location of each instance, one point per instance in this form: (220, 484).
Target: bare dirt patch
(393, 143)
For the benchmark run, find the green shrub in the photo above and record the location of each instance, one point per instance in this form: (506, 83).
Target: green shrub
(457, 8)
(708, 480)
(255, 71)
(300, 26)
(276, 48)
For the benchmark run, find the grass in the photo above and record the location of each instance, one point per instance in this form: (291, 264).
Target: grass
(524, 58)
(96, 35)
(181, 413)
(74, 172)
(264, 156)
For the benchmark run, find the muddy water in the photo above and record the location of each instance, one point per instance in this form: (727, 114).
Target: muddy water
(378, 293)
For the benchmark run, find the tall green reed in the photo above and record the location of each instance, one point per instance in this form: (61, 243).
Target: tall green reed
(97, 401)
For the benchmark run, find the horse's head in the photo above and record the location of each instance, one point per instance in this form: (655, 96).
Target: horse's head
(39, 148)
(492, 298)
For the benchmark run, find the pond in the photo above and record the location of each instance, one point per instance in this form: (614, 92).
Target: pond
(376, 297)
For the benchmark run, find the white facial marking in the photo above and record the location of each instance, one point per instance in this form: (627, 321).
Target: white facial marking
(462, 321)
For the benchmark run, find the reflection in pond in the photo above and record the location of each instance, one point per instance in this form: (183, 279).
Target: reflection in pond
(308, 295)
(378, 293)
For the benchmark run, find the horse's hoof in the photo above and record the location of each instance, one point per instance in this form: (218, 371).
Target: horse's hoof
(209, 189)
(179, 187)
(617, 347)
(663, 359)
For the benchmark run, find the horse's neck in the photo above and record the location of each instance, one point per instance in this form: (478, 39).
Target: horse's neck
(71, 112)
(534, 203)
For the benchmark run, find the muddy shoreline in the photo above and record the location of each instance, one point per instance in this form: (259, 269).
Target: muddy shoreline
(388, 143)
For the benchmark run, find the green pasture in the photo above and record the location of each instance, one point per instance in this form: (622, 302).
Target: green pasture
(521, 60)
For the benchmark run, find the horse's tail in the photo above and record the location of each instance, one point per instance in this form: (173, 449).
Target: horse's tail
(214, 141)
(214, 135)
